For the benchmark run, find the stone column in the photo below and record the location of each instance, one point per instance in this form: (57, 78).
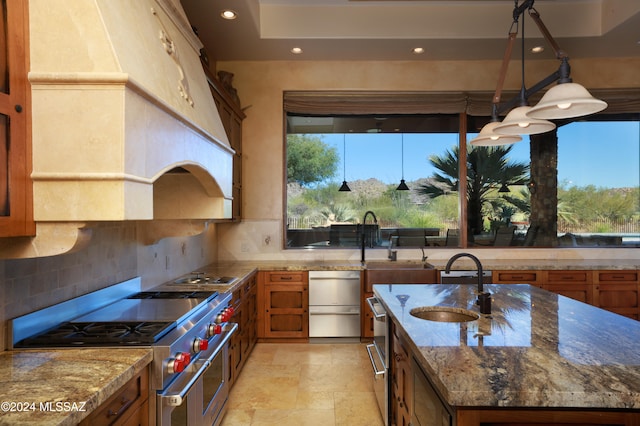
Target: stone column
(544, 187)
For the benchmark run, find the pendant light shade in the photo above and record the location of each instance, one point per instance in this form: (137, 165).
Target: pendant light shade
(566, 100)
(488, 137)
(504, 188)
(517, 123)
(403, 185)
(344, 187)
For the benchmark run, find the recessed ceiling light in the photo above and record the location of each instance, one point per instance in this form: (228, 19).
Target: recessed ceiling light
(229, 14)
(418, 50)
(296, 50)
(537, 49)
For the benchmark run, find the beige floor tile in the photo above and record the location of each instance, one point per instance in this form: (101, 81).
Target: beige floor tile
(315, 400)
(357, 409)
(238, 417)
(294, 418)
(304, 384)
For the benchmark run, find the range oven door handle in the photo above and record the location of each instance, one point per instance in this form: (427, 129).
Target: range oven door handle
(371, 301)
(175, 394)
(373, 363)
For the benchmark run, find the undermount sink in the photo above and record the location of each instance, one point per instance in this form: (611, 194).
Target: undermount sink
(387, 264)
(444, 314)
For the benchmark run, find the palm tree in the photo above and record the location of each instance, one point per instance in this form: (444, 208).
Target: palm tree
(488, 168)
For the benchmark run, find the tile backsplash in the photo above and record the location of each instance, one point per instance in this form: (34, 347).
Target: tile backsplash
(113, 255)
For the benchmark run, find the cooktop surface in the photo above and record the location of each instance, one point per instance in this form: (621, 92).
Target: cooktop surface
(132, 310)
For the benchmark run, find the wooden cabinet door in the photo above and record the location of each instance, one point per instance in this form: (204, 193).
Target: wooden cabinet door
(231, 115)
(618, 291)
(366, 317)
(287, 311)
(577, 285)
(401, 399)
(16, 196)
(284, 304)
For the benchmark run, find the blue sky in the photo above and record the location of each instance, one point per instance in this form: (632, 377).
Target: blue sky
(590, 153)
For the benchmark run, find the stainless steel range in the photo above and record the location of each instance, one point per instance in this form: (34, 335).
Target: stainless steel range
(188, 331)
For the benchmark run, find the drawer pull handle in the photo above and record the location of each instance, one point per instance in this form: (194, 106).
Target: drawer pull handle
(286, 278)
(124, 403)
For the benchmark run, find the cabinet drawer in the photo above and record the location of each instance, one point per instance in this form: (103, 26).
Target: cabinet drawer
(516, 277)
(286, 277)
(120, 406)
(569, 276)
(618, 276)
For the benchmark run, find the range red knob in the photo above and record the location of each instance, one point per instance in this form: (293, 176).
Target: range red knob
(214, 329)
(178, 363)
(200, 344)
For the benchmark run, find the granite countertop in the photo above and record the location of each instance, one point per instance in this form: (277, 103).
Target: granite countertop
(536, 349)
(80, 379)
(243, 269)
(461, 264)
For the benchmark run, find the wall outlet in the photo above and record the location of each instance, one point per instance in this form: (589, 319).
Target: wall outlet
(266, 240)
(244, 247)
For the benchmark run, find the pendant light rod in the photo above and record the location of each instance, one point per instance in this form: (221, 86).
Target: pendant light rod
(564, 100)
(344, 187)
(561, 75)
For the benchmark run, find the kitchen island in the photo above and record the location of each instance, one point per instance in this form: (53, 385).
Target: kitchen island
(538, 358)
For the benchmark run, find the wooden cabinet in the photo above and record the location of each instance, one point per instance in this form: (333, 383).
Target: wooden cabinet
(388, 276)
(615, 291)
(577, 285)
(618, 291)
(518, 277)
(244, 303)
(16, 199)
(401, 381)
(129, 406)
(231, 115)
(284, 305)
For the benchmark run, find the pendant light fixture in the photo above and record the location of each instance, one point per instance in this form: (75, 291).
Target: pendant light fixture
(344, 187)
(565, 100)
(488, 136)
(504, 188)
(403, 185)
(517, 122)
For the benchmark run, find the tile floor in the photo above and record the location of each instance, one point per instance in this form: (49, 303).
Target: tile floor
(290, 384)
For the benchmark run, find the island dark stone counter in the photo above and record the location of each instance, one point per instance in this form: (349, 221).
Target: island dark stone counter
(536, 350)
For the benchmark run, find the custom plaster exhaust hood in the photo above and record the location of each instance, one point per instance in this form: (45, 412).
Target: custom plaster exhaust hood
(124, 124)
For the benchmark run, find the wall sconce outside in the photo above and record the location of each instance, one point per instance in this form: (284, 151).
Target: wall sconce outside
(532, 186)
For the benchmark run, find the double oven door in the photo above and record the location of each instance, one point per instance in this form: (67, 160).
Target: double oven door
(198, 397)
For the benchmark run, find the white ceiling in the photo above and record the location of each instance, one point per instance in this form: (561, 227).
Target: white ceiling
(389, 30)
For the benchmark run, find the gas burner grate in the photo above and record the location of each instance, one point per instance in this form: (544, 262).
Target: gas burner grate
(99, 334)
(174, 295)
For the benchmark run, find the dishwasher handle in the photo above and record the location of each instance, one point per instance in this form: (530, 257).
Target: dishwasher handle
(373, 363)
(372, 301)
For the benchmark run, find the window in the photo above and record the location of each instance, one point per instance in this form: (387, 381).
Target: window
(507, 186)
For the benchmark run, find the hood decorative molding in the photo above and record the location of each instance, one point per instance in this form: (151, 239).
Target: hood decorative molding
(119, 102)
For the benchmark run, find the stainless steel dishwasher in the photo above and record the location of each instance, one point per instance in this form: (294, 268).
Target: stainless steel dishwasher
(334, 303)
